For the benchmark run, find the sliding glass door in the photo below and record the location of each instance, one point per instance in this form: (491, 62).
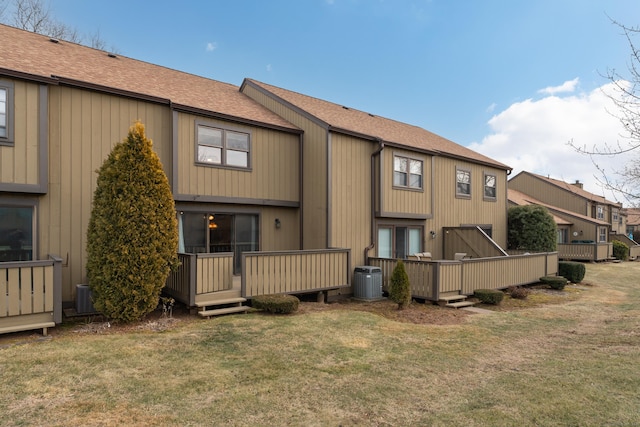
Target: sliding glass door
(219, 232)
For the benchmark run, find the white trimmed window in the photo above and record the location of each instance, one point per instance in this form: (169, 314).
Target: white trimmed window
(602, 234)
(6, 113)
(407, 172)
(223, 147)
(463, 183)
(489, 187)
(600, 212)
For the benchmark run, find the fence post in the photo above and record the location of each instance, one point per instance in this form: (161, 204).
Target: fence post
(57, 289)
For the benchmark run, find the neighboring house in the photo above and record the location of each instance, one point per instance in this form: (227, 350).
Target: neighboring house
(385, 188)
(633, 221)
(570, 197)
(233, 165)
(252, 168)
(572, 227)
(583, 218)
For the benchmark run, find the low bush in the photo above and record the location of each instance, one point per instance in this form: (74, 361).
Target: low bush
(518, 292)
(554, 282)
(572, 271)
(399, 287)
(620, 251)
(279, 304)
(489, 296)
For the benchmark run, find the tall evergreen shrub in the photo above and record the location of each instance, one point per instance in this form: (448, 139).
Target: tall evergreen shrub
(399, 286)
(531, 228)
(132, 239)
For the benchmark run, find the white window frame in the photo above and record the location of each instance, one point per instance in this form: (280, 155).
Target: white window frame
(494, 187)
(227, 151)
(602, 234)
(6, 132)
(600, 212)
(461, 173)
(409, 172)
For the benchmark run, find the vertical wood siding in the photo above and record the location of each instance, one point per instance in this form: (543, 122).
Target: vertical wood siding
(266, 273)
(274, 173)
(404, 201)
(314, 172)
(83, 128)
(351, 194)
(550, 194)
(449, 211)
(19, 163)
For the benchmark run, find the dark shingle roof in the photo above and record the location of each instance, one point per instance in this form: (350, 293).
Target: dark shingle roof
(360, 122)
(36, 55)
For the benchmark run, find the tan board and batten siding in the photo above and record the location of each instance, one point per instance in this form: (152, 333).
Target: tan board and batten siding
(19, 163)
(397, 201)
(314, 160)
(83, 128)
(351, 194)
(452, 211)
(541, 190)
(274, 173)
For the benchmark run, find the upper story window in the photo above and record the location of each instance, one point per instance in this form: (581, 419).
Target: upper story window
(614, 215)
(600, 212)
(407, 172)
(489, 187)
(463, 183)
(224, 147)
(6, 106)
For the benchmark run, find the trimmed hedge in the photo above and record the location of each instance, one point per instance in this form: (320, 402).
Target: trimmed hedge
(518, 292)
(555, 282)
(620, 250)
(489, 296)
(572, 271)
(279, 304)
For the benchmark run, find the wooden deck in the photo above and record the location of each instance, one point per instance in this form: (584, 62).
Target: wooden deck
(30, 295)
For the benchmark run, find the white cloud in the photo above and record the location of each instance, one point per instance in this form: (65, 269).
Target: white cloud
(491, 108)
(533, 135)
(211, 46)
(566, 87)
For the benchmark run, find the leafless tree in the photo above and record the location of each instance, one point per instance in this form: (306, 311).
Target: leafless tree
(626, 99)
(36, 16)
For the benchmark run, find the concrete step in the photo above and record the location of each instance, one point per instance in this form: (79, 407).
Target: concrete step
(449, 298)
(220, 311)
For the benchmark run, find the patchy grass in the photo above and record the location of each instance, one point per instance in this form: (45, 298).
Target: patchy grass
(567, 359)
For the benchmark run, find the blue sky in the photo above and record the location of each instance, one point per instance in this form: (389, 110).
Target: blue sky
(513, 79)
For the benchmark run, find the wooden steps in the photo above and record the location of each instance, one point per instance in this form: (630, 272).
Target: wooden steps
(455, 301)
(222, 306)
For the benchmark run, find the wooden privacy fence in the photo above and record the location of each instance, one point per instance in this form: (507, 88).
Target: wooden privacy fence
(292, 272)
(30, 295)
(199, 276)
(429, 279)
(585, 251)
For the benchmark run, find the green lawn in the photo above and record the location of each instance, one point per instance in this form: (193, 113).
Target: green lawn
(573, 363)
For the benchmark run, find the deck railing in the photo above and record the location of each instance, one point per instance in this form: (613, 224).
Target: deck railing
(199, 276)
(429, 279)
(291, 272)
(30, 295)
(585, 251)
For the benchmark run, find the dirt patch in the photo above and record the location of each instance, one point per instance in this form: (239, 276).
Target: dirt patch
(417, 312)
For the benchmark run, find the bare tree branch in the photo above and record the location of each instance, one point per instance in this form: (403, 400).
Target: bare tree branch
(626, 100)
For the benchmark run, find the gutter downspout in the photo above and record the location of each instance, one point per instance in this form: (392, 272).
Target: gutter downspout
(373, 200)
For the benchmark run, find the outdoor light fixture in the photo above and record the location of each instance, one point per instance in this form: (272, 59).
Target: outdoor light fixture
(278, 224)
(433, 234)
